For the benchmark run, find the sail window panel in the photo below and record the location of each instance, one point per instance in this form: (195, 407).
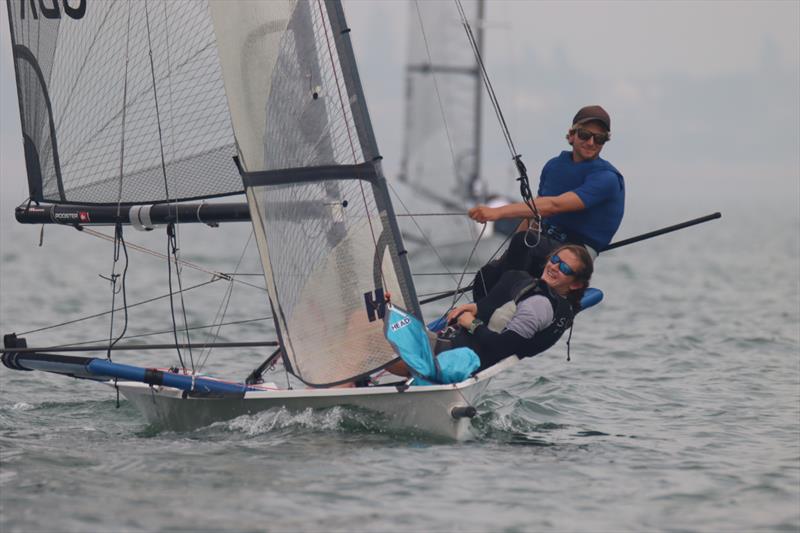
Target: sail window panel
(248, 37)
(288, 98)
(326, 245)
(90, 65)
(309, 117)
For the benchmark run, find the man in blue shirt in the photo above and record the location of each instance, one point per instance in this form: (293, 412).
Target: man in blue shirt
(581, 200)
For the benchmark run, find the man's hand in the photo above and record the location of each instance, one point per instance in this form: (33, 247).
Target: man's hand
(483, 213)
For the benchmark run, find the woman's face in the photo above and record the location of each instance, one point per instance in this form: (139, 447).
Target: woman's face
(558, 281)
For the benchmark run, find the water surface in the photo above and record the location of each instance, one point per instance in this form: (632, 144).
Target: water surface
(679, 411)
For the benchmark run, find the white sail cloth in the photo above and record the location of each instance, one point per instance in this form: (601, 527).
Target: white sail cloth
(121, 102)
(323, 221)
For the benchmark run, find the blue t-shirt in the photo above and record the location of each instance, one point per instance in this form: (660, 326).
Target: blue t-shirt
(600, 187)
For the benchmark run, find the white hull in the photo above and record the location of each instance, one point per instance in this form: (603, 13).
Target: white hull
(426, 409)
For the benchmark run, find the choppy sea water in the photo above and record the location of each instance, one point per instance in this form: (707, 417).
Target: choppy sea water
(680, 409)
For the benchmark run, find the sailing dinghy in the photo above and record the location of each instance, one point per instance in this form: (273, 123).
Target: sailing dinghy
(130, 110)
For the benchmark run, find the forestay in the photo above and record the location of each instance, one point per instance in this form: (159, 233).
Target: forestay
(323, 220)
(121, 101)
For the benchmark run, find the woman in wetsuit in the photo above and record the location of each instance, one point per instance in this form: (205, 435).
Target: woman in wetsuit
(523, 315)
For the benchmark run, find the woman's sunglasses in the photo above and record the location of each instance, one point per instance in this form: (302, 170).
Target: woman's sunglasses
(599, 138)
(562, 266)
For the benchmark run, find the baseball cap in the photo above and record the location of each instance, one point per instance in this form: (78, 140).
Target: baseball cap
(593, 112)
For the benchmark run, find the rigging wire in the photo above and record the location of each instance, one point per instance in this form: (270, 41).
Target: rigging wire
(486, 81)
(155, 100)
(172, 233)
(223, 307)
(524, 184)
(172, 247)
(124, 112)
(97, 315)
(472, 273)
(164, 332)
(214, 274)
(119, 241)
(502, 245)
(458, 296)
(442, 214)
(437, 91)
(452, 154)
(419, 228)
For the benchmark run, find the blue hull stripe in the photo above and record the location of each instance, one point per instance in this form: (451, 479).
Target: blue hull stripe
(102, 367)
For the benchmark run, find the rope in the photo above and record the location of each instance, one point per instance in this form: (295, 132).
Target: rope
(119, 243)
(97, 315)
(173, 248)
(502, 245)
(445, 214)
(124, 110)
(118, 228)
(223, 307)
(436, 89)
(182, 262)
(424, 237)
(457, 296)
(486, 81)
(155, 99)
(440, 273)
(164, 332)
(172, 239)
(524, 184)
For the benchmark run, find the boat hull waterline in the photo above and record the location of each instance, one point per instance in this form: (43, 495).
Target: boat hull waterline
(424, 409)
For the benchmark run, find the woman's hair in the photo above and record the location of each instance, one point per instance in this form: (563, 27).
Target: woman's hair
(584, 274)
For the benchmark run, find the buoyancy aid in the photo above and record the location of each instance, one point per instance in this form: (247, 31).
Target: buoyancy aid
(499, 306)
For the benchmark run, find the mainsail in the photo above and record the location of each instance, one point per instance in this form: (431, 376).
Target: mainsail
(324, 224)
(121, 102)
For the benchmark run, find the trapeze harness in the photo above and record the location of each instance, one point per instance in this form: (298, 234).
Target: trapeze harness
(491, 341)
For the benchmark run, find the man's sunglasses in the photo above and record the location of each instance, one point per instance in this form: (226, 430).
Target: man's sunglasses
(599, 138)
(562, 266)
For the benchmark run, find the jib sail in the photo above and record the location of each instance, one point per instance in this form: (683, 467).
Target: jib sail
(324, 223)
(121, 101)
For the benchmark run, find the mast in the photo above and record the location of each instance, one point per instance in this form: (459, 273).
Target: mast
(370, 144)
(443, 93)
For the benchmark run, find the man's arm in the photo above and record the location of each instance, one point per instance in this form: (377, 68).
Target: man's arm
(547, 206)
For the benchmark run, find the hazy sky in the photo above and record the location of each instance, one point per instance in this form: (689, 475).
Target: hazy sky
(704, 96)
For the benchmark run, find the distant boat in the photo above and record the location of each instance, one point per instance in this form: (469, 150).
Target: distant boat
(441, 162)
